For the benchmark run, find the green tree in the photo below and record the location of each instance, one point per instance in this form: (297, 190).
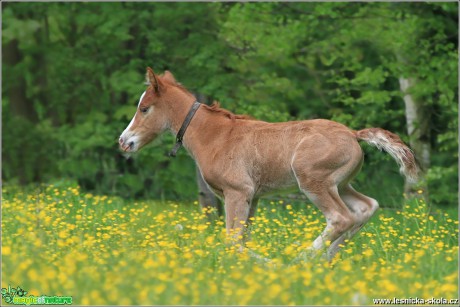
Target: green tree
(74, 73)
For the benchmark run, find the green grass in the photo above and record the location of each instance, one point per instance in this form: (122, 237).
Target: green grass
(57, 240)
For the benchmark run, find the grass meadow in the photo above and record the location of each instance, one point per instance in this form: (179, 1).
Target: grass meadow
(101, 250)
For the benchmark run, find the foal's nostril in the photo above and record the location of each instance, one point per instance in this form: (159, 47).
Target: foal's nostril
(131, 144)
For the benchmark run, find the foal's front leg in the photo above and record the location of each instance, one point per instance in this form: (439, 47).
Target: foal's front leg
(237, 210)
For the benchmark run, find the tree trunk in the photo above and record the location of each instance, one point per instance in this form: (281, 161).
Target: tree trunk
(20, 108)
(418, 129)
(19, 105)
(42, 37)
(209, 203)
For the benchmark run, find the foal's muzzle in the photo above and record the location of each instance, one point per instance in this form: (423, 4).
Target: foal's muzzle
(125, 146)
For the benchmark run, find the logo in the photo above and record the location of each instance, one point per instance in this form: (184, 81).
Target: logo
(17, 296)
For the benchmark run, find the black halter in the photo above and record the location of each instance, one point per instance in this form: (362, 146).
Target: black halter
(180, 134)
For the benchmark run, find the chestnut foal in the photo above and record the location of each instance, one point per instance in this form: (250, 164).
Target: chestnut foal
(242, 159)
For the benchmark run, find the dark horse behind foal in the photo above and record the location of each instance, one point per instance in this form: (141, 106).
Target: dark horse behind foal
(241, 159)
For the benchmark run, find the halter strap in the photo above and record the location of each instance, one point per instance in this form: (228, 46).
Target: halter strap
(183, 128)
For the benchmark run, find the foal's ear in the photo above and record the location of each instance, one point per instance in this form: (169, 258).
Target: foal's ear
(153, 80)
(168, 76)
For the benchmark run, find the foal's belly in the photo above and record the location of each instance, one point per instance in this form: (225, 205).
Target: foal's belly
(283, 183)
(266, 191)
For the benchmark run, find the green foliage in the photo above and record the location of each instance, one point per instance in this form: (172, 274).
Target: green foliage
(74, 73)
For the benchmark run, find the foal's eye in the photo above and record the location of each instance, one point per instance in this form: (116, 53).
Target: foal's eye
(144, 110)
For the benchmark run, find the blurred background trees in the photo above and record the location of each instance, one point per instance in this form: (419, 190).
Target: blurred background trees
(73, 73)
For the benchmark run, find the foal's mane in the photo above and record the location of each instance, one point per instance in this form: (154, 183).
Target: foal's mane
(214, 108)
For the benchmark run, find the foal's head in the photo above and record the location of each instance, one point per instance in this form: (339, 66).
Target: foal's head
(150, 119)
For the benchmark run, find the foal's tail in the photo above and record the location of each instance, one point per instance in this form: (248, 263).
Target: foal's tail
(393, 145)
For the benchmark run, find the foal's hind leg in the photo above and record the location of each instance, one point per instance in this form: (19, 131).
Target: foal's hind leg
(339, 218)
(363, 208)
(250, 219)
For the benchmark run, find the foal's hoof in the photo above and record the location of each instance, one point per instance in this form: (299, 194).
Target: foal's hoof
(310, 255)
(258, 257)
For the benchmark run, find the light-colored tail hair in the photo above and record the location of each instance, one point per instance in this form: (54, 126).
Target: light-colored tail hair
(392, 144)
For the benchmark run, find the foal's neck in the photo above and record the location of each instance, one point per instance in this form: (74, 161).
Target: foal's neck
(178, 113)
(203, 130)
